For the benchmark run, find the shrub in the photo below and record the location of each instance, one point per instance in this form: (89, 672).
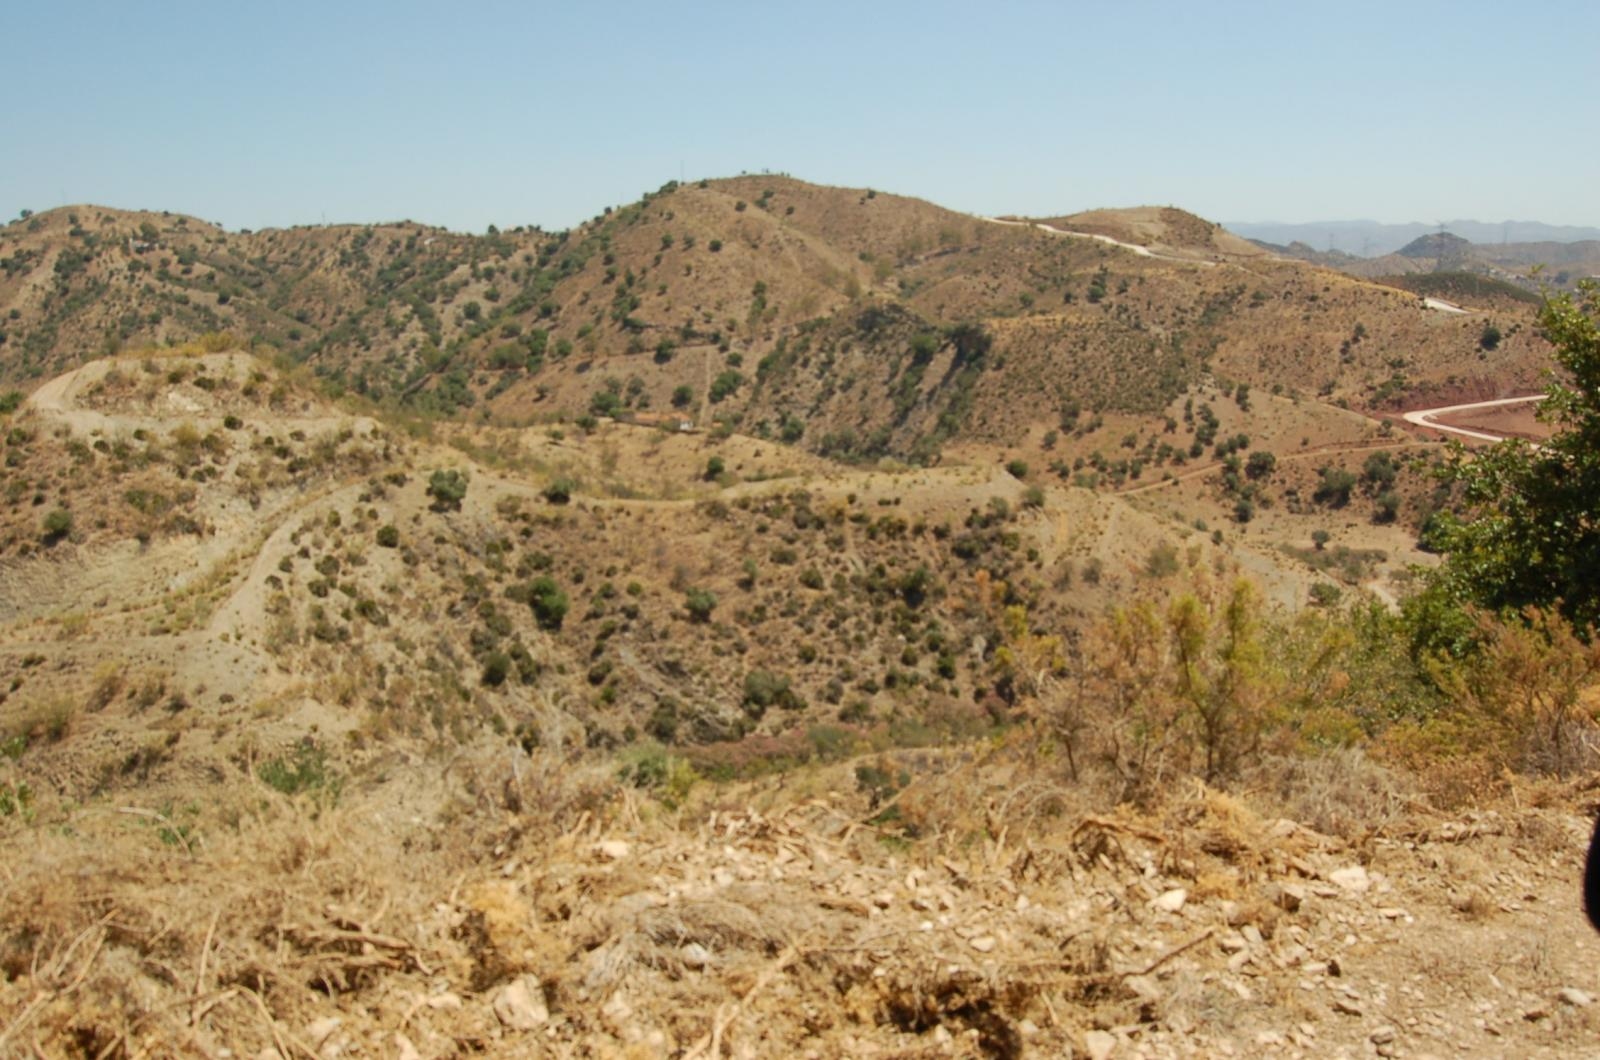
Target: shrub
(1334, 489)
(560, 490)
(714, 468)
(57, 525)
(548, 603)
(496, 668)
(699, 603)
(1162, 562)
(763, 689)
(725, 384)
(388, 536)
(682, 397)
(307, 771)
(447, 488)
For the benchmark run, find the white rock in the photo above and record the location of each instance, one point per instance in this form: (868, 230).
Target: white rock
(403, 1049)
(320, 1030)
(1172, 901)
(520, 1004)
(1382, 1036)
(1353, 879)
(696, 955)
(1571, 995)
(1099, 1045)
(983, 943)
(614, 849)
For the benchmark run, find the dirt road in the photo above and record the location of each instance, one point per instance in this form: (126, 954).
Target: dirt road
(1429, 417)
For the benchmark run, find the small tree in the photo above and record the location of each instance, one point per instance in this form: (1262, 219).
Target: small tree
(447, 488)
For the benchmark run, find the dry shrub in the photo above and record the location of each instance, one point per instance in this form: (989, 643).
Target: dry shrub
(1340, 792)
(1527, 691)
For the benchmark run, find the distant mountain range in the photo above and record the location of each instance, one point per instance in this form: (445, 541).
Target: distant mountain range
(1371, 239)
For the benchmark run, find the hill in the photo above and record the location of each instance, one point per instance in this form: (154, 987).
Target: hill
(854, 323)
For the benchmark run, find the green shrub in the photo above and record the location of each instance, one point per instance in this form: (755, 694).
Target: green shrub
(306, 772)
(447, 488)
(57, 525)
(548, 602)
(560, 490)
(763, 689)
(388, 536)
(699, 603)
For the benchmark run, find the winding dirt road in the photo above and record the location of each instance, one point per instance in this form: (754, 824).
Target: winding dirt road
(1429, 417)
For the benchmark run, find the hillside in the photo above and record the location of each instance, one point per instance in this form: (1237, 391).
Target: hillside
(777, 307)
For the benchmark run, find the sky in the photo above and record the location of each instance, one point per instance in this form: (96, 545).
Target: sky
(467, 114)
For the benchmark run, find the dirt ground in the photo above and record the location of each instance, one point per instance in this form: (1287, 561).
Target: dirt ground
(530, 908)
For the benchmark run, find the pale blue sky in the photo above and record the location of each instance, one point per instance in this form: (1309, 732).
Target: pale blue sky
(464, 114)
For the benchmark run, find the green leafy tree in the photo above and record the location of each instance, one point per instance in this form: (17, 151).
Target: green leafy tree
(1528, 534)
